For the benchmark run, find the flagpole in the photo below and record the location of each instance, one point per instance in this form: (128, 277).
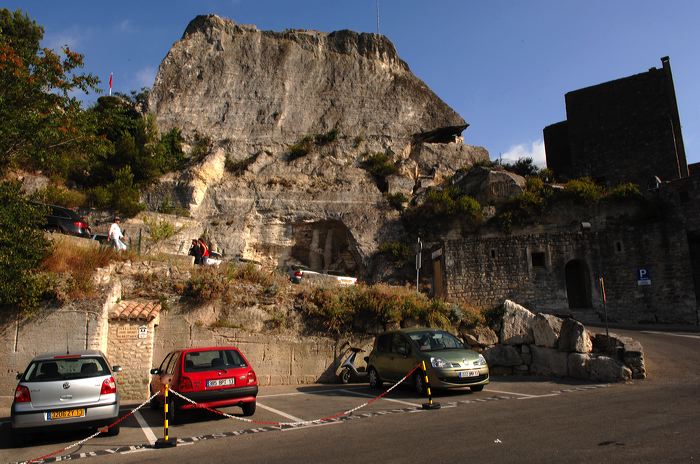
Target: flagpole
(110, 84)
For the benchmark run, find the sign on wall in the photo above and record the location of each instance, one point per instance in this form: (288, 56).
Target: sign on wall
(143, 331)
(643, 276)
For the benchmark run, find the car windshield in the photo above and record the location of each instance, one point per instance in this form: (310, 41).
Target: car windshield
(198, 361)
(65, 368)
(434, 340)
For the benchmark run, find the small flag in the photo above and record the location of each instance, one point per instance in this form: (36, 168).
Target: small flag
(110, 83)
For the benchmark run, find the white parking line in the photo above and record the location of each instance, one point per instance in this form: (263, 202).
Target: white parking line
(539, 396)
(670, 334)
(311, 392)
(278, 412)
(150, 436)
(510, 393)
(311, 426)
(385, 399)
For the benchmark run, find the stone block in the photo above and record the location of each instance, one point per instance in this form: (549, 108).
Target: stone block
(502, 355)
(546, 329)
(516, 326)
(480, 337)
(606, 369)
(578, 365)
(548, 361)
(574, 337)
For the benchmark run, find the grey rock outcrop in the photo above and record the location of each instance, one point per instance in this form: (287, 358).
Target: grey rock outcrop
(480, 337)
(490, 186)
(574, 337)
(246, 98)
(546, 329)
(516, 326)
(607, 369)
(578, 365)
(503, 355)
(548, 361)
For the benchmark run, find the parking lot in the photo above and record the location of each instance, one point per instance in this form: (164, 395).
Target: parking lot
(280, 409)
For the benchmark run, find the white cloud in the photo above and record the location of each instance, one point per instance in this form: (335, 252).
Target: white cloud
(145, 77)
(535, 150)
(125, 26)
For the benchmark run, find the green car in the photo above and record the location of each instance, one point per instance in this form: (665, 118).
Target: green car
(449, 363)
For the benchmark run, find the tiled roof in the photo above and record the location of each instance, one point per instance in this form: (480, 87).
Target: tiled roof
(131, 310)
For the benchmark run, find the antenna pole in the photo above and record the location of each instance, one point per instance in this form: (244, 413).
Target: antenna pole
(376, 2)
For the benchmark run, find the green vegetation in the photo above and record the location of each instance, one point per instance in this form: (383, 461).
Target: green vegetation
(240, 166)
(340, 310)
(523, 166)
(61, 196)
(442, 204)
(397, 252)
(379, 164)
(22, 247)
(306, 144)
(159, 230)
(397, 201)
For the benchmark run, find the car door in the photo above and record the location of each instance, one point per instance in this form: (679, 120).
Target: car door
(157, 383)
(401, 356)
(381, 358)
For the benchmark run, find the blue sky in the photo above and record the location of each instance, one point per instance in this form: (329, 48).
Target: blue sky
(503, 65)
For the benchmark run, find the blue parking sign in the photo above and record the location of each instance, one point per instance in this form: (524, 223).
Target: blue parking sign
(643, 276)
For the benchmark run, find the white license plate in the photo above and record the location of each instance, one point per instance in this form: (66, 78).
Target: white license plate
(220, 382)
(470, 373)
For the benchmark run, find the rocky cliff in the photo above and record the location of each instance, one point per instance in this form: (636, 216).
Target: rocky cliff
(283, 121)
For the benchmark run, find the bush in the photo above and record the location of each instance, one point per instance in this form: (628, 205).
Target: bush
(397, 251)
(524, 167)
(379, 164)
(60, 196)
(397, 200)
(239, 167)
(626, 190)
(301, 148)
(22, 247)
(328, 137)
(445, 203)
(584, 190)
(159, 230)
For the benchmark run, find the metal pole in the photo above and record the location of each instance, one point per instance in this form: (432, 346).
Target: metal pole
(429, 404)
(166, 441)
(419, 249)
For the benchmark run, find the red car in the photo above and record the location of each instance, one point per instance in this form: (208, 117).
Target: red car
(214, 377)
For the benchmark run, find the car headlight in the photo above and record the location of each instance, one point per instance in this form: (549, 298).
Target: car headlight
(481, 361)
(439, 362)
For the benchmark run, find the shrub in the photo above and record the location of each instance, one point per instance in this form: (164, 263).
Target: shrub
(301, 148)
(159, 230)
(60, 196)
(397, 200)
(240, 166)
(22, 247)
(626, 190)
(583, 190)
(444, 204)
(523, 166)
(328, 137)
(397, 251)
(379, 164)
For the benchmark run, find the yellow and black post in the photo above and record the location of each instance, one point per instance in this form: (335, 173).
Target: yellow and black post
(166, 441)
(429, 404)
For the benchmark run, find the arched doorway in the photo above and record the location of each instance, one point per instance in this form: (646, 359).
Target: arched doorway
(578, 284)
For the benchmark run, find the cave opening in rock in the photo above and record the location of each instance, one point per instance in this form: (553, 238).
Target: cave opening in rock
(325, 245)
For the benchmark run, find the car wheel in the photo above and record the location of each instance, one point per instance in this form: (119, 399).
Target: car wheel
(476, 388)
(345, 376)
(248, 408)
(419, 384)
(374, 380)
(113, 431)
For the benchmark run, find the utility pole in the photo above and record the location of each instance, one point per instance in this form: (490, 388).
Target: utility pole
(419, 250)
(376, 2)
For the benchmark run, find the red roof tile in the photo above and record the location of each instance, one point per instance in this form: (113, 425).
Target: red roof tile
(135, 311)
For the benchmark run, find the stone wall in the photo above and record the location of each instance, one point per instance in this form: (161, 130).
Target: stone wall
(531, 268)
(133, 354)
(626, 130)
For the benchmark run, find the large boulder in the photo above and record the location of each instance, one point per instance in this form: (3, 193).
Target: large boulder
(548, 361)
(480, 337)
(546, 329)
(516, 328)
(624, 349)
(502, 355)
(578, 365)
(574, 337)
(490, 186)
(607, 369)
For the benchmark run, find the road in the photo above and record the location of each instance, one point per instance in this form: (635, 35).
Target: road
(515, 419)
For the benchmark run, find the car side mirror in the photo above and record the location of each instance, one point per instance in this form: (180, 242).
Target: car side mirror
(116, 369)
(155, 371)
(19, 376)
(402, 351)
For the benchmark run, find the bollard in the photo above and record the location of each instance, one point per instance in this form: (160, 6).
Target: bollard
(429, 404)
(166, 441)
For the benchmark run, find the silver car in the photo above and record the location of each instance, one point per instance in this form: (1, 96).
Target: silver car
(66, 391)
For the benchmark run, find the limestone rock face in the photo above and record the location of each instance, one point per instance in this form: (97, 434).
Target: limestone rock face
(545, 330)
(607, 369)
(286, 119)
(516, 328)
(480, 337)
(548, 361)
(490, 186)
(503, 355)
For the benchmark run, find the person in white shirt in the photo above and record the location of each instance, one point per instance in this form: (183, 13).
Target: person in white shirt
(115, 235)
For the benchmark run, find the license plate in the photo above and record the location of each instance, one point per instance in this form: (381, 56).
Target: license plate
(68, 414)
(220, 382)
(470, 373)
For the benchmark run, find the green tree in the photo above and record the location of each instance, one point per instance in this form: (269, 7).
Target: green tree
(43, 125)
(22, 247)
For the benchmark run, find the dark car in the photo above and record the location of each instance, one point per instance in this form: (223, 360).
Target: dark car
(213, 377)
(66, 221)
